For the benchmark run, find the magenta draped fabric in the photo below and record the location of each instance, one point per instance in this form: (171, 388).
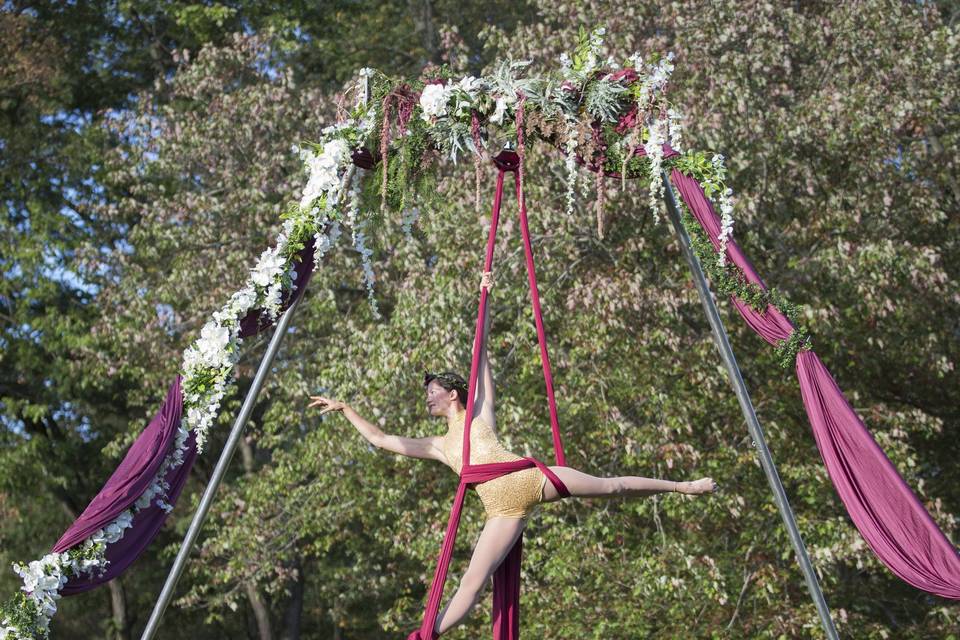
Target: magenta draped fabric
(134, 474)
(142, 461)
(124, 487)
(887, 513)
(506, 579)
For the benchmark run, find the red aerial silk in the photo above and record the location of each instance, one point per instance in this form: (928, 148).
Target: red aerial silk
(506, 579)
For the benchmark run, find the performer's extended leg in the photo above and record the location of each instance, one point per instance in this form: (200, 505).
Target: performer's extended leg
(496, 540)
(586, 486)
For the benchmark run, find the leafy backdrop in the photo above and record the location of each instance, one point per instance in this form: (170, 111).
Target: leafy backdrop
(146, 163)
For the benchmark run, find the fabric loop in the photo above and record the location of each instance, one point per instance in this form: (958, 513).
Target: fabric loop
(479, 473)
(507, 160)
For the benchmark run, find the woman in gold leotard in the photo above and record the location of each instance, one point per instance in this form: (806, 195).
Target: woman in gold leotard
(507, 500)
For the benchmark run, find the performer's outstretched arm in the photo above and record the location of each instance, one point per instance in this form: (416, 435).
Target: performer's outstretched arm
(428, 447)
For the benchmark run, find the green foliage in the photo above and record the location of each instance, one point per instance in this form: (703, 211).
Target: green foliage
(204, 20)
(638, 166)
(410, 167)
(696, 165)
(829, 114)
(24, 613)
(450, 136)
(205, 379)
(585, 46)
(303, 230)
(604, 100)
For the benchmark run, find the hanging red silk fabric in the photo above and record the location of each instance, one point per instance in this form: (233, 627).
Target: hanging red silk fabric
(506, 579)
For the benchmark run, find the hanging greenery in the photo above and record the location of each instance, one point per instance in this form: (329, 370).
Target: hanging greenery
(728, 279)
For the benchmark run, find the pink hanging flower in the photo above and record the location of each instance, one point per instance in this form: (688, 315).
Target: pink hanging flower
(405, 103)
(628, 121)
(627, 74)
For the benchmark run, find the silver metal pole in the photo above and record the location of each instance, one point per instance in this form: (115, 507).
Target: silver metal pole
(225, 456)
(234, 438)
(753, 425)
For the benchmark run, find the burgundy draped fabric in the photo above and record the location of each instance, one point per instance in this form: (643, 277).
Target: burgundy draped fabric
(884, 509)
(134, 474)
(506, 579)
(146, 525)
(143, 460)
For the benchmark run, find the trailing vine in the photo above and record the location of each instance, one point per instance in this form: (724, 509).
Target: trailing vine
(729, 280)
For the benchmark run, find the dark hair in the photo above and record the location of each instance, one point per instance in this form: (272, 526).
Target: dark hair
(450, 381)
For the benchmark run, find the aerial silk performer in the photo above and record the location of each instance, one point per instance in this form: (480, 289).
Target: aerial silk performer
(509, 499)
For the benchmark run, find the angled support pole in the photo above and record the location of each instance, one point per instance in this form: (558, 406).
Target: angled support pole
(249, 401)
(180, 563)
(153, 624)
(746, 405)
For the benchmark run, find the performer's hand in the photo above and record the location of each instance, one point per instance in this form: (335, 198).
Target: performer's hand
(486, 280)
(327, 404)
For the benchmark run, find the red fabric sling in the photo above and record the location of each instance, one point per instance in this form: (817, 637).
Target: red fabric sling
(506, 579)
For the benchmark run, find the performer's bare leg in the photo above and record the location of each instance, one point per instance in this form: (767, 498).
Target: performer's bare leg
(500, 534)
(493, 545)
(584, 485)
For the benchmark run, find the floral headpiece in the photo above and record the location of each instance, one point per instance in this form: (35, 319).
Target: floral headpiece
(449, 379)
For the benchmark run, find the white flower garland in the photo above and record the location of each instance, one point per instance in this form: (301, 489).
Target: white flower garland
(359, 237)
(662, 123)
(324, 170)
(206, 367)
(571, 167)
(675, 118)
(323, 242)
(433, 101)
(726, 209)
(44, 579)
(654, 149)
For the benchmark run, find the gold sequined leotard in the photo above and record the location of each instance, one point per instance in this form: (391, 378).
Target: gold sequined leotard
(513, 495)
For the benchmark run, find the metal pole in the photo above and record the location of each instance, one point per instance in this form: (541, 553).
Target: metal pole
(753, 425)
(181, 560)
(180, 563)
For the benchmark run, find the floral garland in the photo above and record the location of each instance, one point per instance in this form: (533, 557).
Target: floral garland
(729, 280)
(207, 370)
(592, 110)
(712, 176)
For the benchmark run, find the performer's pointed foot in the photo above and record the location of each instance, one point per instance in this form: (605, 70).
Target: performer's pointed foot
(696, 487)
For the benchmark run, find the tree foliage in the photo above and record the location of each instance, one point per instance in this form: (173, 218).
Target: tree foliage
(147, 163)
